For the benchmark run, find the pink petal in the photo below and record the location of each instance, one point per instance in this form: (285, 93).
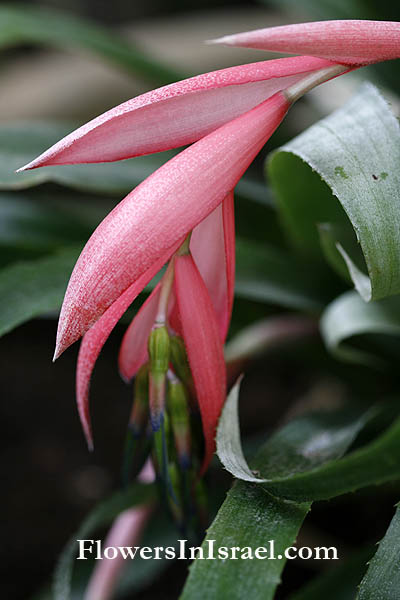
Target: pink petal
(349, 42)
(204, 347)
(160, 211)
(177, 114)
(208, 248)
(174, 320)
(97, 336)
(228, 214)
(133, 353)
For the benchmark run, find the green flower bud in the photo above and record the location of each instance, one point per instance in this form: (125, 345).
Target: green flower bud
(160, 437)
(159, 353)
(159, 350)
(175, 499)
(180, 419)
(140, 408)
(179, 359)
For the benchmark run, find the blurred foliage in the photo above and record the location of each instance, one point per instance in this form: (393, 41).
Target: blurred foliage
(23, 24)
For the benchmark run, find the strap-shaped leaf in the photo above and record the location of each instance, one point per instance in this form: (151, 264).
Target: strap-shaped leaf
(382, 580)
(22, 141)
(356, 153)
(250, 517)
(33, 287)
(349, 316)
(37, 223)
(372, 464)
(301, 462)
(29, 289)
(299, 447)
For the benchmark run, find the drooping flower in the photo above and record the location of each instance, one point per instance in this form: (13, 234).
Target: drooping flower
(197, 197)
(183, 213)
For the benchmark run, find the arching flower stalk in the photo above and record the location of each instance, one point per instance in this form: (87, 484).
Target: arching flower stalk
(182, 216)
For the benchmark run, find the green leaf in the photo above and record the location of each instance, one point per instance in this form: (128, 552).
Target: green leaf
(29, 289)
(40, 223)
(23, 24)
(333, 239)
(291, 461)
(300, 446)
(269, 274)
(101, 516)
(33, 287)
(229, 447)
(382, 580)
(250, 517)
(353, 155)
(349, 316)
(340, 581)
(21, 142)
(374, 463)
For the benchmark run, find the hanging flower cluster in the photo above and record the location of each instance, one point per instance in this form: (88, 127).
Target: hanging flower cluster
(183, 216)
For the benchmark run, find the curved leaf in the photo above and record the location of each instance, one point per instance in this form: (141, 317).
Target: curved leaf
(299, 447)
(301, 462)
(349, 316)
(372, 464)
(249, 517)
(229, 447)
(356, 152)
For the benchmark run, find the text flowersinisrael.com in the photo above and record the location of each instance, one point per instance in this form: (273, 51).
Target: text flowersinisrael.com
(209, 551)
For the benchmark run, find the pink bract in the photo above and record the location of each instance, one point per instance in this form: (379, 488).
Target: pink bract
(177, 114)
(351, 42)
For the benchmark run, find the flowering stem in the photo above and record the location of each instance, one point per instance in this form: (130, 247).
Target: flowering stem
(167, 281)
(303, 86)
(184, 249)
(166, 287)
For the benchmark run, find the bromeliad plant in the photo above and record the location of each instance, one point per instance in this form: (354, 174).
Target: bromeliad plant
(182, 216)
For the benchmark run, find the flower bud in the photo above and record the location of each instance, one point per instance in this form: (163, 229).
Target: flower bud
(159, 353)
(160, 437)
(175, 499)
(159, 350)
(140, 408)
(135, 448)
(179, 359)
(180, 420)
